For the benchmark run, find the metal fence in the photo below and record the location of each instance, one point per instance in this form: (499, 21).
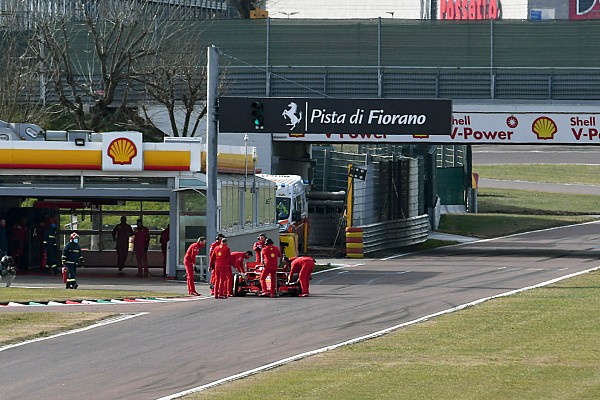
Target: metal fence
(398, 233)
(489, 60)
(392, 190)
(414, 82)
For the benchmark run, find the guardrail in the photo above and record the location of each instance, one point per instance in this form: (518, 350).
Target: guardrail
(399, 233)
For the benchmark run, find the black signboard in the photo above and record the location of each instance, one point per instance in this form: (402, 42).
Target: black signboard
(336, 116)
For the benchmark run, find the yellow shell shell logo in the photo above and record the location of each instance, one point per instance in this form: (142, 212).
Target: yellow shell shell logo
(544, 128)
(122, 151)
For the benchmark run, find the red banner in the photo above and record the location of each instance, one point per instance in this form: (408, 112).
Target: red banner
(469, 9)
(584, 9)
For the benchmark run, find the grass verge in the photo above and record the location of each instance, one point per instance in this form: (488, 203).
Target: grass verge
(20, 326)
(549, 173)
(495, 225)
(17, 327)
(540, 344)
(536, 203)
(19, 295)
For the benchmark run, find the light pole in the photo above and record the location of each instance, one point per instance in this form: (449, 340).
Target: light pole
(391, 13)
(245, 159)
(289, 13)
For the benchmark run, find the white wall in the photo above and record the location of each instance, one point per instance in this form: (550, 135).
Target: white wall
(346, 9)
(158, 115)
(402, 9)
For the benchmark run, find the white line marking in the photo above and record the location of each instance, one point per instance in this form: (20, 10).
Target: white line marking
(98, 324)
(340, 267)
(366, 337)
(496, 238)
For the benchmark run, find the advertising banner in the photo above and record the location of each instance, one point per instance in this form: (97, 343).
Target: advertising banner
(488, 128)
(584, 9)
(301, 116)
(473, 10)
(122, 151)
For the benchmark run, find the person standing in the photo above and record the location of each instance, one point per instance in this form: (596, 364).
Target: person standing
(211, 261)
(222, 256)
(38, 244)
(51, 248)
(141, 242)
(3, 238)
(259, 245)
(189, 261)
(71, 259)
(270, 256)
(305, 266)
(121, 234)
(18, 241)
(164, 242)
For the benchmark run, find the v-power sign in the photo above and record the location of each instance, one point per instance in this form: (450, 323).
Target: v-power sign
(336, 116)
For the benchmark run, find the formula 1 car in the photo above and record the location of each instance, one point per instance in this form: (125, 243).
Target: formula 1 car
(250, 283)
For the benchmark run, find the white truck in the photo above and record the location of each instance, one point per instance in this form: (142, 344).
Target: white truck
(291, 208)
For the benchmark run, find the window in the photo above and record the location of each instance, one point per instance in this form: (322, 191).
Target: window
(266, 197)
(283, 208)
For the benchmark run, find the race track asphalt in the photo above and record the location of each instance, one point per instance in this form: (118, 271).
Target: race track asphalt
(178, 346)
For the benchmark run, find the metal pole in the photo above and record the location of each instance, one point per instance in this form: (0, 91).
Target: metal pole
(379, 74)
(268, 73)
(350, 198)
(212, 142)
(245, 160)
(492, 58)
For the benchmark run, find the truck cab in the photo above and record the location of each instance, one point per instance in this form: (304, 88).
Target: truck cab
(291, 206)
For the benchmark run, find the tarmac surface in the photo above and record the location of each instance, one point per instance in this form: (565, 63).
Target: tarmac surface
(109, 278)
(164, 349)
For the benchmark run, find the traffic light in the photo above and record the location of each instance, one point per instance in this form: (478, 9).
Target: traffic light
(257, 115)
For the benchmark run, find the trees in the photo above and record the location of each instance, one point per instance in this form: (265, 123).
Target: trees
(19, 83)
(243, 7)
(178, 82)
(99, 66)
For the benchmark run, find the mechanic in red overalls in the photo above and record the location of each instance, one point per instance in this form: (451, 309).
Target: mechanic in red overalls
(270, 256)
(259, 245)
(304, 266)
(238, 260)
(189, 261)
(141, 241)
(223, 263)
(211, 260)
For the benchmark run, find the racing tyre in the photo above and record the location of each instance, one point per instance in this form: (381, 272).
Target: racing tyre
(237, 286)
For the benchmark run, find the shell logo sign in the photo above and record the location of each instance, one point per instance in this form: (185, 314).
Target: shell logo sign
(544, 128)
(122, 151)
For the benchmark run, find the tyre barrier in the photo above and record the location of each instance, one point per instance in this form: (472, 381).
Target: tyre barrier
(354, 243)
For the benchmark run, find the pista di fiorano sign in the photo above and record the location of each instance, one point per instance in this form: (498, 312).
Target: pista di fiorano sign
(297, 116)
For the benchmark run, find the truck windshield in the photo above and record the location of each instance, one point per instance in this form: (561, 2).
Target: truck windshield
(283, 207)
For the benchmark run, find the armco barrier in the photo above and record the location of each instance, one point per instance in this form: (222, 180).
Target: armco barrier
(397, 233)
(354, 243)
